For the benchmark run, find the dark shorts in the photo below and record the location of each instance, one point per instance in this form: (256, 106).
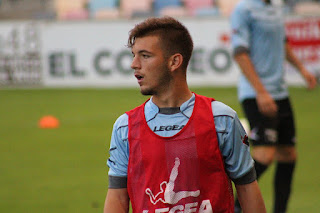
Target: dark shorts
(279, 130)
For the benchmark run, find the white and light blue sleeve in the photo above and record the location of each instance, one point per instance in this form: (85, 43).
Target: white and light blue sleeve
(240, 23)
(119, 148)
(231, 136)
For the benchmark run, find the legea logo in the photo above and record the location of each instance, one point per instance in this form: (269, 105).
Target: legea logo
(166, 188)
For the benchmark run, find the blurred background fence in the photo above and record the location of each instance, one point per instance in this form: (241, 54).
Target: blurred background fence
(82, 42)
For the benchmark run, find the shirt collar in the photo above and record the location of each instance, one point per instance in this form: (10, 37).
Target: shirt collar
(151, 109)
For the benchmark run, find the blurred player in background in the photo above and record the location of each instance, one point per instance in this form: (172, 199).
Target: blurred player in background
(260, 49)
(178, 150)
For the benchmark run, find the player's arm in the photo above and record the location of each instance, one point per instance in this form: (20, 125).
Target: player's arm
(266, 104)
(240, 38)
(117, 201)
(292, 59)
(234, 147)
(250, 198)
(233, 144)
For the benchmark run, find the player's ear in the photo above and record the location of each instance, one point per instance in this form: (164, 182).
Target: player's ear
(175, 61)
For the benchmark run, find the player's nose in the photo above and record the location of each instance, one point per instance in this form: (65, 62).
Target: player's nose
(135, 64)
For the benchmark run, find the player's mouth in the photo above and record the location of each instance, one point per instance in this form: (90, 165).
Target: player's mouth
(139, 78)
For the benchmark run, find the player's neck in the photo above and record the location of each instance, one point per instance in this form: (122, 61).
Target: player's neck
(172, 97)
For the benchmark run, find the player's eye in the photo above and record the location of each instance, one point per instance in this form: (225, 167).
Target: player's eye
(145, 56)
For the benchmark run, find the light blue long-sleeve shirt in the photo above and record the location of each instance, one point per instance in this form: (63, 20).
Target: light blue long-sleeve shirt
(259, 27)
(230, 133)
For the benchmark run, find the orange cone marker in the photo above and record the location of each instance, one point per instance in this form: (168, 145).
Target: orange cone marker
(48, 122)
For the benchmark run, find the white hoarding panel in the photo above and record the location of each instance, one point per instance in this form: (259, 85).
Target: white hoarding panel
(94, 53)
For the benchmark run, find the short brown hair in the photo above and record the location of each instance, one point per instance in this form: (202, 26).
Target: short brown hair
(174, 36)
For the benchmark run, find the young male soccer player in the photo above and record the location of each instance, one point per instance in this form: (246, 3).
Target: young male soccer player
(260, 48)
(178, 151)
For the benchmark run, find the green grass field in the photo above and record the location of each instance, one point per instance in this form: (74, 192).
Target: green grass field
(63, 170)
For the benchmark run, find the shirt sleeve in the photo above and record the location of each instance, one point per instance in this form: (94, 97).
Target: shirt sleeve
(240, 26)
(233, 144)
(119, 148)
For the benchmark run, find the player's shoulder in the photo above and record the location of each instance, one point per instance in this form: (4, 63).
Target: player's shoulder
(221, 109)
(122, 121)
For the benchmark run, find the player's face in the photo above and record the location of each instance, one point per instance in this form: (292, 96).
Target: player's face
(150, 66)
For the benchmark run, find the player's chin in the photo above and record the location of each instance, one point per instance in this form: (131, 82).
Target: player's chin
(146, 91)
